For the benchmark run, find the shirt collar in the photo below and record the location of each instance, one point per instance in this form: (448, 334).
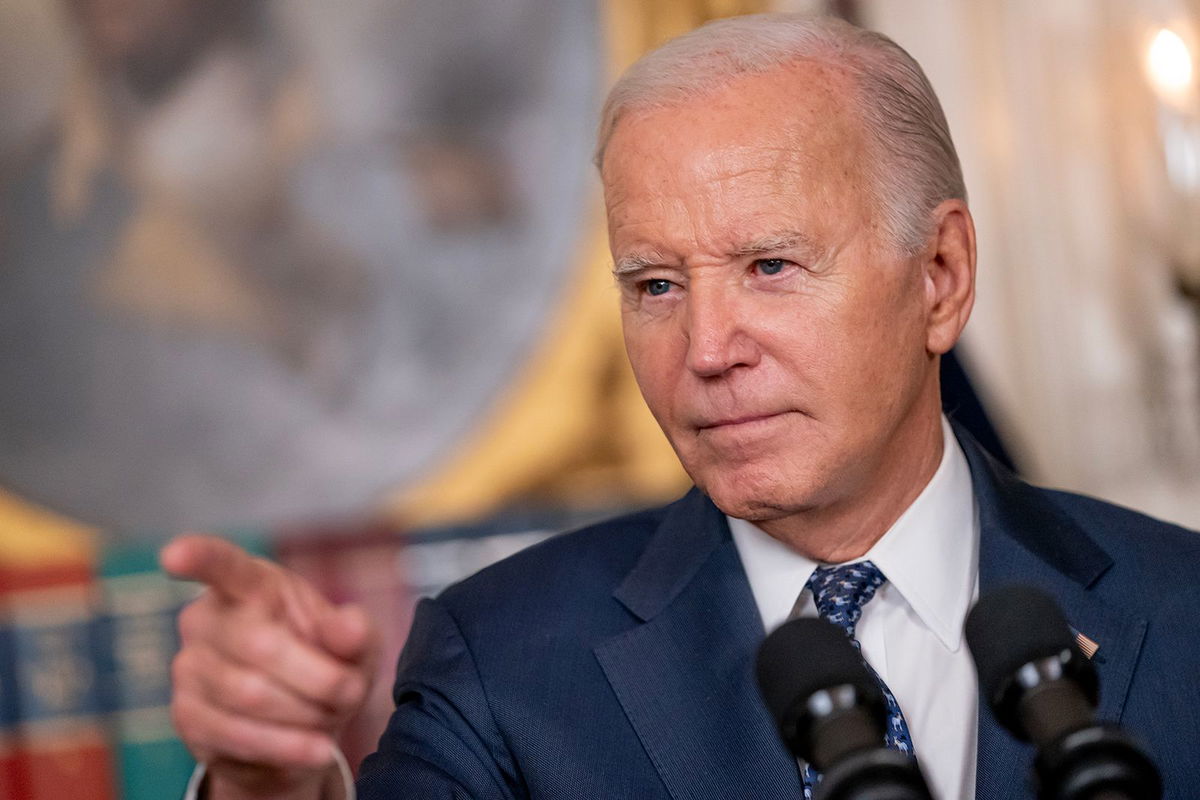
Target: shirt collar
(929, 554)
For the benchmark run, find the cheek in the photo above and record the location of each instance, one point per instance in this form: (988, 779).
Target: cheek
(651, 350)
(810, 339)
(885, 342)
(855, 350)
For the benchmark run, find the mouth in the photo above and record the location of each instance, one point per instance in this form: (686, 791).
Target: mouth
(747, 421)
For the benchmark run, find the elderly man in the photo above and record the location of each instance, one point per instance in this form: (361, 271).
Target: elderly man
(794, 251)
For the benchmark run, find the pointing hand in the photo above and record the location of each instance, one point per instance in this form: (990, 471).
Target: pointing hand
(268, 671)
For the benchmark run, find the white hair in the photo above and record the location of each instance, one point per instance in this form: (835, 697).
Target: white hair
(913, 166)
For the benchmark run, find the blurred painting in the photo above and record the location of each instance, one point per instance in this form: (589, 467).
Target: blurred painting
(261, 261)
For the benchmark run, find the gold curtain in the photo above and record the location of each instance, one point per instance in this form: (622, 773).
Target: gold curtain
(573, 427)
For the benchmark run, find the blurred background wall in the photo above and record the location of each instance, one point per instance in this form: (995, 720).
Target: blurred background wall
(1078, 124)
(270, 261)
(332, 279)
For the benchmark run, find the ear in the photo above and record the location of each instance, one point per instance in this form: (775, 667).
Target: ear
(949, 273)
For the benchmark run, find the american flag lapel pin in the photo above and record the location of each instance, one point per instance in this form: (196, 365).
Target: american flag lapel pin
(1086, 645)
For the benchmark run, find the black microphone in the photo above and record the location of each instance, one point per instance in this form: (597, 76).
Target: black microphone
(830, 712)
(1044, 690)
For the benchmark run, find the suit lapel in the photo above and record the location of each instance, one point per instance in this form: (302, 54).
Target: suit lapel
(1025, 539)
(685, 675)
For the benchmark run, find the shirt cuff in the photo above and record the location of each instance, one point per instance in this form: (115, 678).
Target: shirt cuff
(192, 792)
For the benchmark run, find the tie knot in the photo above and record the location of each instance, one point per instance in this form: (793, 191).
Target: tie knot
(841, 592)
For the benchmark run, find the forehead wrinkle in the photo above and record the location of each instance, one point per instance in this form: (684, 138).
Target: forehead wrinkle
(780, 163)
(771, 242)
(783, 171)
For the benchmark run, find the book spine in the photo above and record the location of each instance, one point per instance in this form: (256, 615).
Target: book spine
(141, 608)
(62, 742)
(140, 627)
(10, 778)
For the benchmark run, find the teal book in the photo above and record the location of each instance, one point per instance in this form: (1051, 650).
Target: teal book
(141, 637)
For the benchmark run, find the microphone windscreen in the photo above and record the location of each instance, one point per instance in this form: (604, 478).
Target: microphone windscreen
(1010, 627)
(804, 656)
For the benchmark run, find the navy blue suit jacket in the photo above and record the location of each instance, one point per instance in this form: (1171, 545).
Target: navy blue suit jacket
(616, 662)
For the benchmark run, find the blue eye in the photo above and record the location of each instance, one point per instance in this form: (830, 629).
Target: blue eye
(770, 266)
(658, 286)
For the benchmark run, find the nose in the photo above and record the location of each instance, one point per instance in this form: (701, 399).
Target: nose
(718, 335)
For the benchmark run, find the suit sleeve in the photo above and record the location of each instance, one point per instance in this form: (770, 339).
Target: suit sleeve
(442, 740)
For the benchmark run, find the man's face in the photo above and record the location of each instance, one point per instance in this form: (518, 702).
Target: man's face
(778, 339)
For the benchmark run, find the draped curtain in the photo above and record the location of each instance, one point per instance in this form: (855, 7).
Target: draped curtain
(1080, 339)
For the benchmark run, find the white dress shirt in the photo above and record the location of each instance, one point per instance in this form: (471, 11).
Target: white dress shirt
(911, 631)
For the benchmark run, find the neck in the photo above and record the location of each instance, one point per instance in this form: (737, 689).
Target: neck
(846, 529)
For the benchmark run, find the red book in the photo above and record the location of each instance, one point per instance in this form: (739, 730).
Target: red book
(61, 747)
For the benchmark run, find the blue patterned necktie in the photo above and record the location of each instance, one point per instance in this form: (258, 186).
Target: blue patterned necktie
(839, 594)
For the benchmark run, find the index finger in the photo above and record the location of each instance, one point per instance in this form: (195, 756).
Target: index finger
(226, 568)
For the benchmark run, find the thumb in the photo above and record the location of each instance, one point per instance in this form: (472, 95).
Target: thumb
(346, 632)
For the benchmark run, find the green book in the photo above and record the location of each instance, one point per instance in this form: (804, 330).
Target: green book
(141, 636)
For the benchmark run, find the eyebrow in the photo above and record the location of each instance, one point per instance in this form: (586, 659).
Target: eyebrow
(784, 240)
(770, 243)
(631, 264)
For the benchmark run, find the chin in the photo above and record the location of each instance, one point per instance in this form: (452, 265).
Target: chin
(753, 496)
